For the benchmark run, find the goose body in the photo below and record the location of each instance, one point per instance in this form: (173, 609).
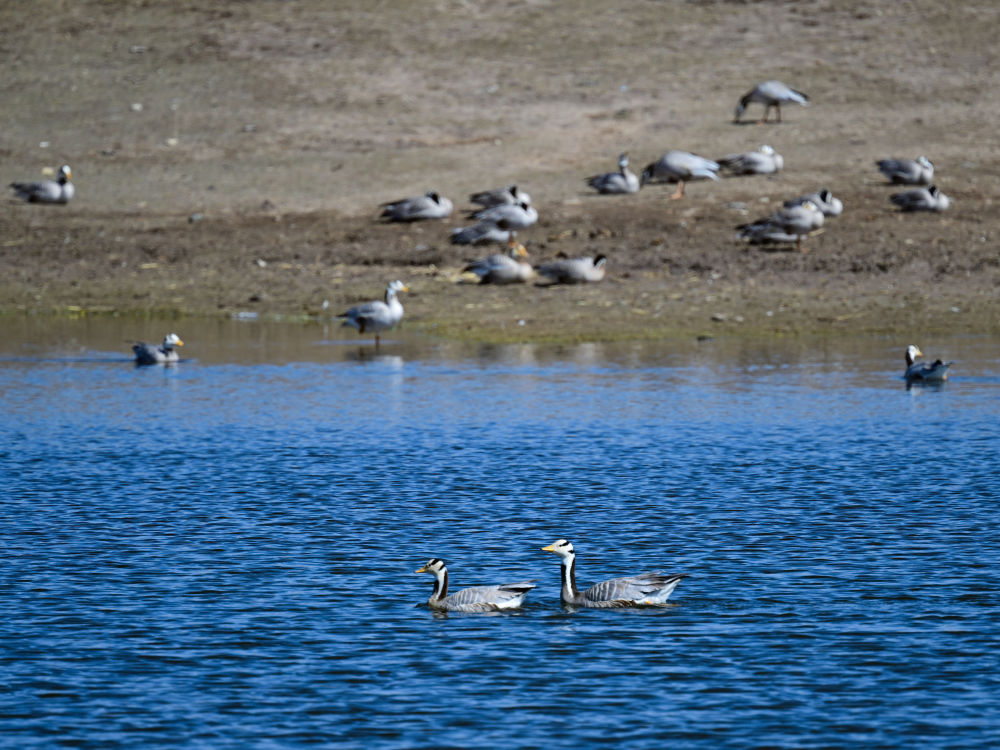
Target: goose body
(377, 316)
(921, 199)
(824, 200)
(788, 224)
(764, 160)
(481, 233)
(643, 590)
(680, 167)
(919, 171)
(616, 183)
(476, 598)
(507, 196)
(770, 94)
(151, 354)
(574, 270)
(503, 268)
(508, 216)
(59, 190)
(431, 205)
(927, 372)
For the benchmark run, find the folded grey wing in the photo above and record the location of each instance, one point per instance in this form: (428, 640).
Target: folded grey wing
(488, 598)
(633, 589)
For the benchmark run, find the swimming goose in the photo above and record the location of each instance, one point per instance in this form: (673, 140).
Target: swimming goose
(615, 183)
(59, 190)
(475, 599)
(510, 216)
(787, 224)
(680, 167)
(377, 316)
(917, 171)
(932, 372)
(431, 205)
(921, 199)
(764, 160)
(574, 270)
(481, 233)
(770, 94)
(824, 201)
(151, 354)
(503, 268)
(646, 589)
(507, 196)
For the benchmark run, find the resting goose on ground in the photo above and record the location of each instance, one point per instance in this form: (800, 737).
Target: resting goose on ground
(59, 190)
(917, 171)
(574, 270)
(784, 225)
(377, 316)
(770, 94)
(644, 590)
(680, 167)
(151, 354)
(475, 599)
(507, 196)
(431, 205)
(921, 199)
(513, 216)
(824, 201)
(764, 160)
(481, 233)
(928, 372)
(616, 183)
(503, 268)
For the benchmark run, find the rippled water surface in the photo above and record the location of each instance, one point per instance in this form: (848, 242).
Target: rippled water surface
(221, 553)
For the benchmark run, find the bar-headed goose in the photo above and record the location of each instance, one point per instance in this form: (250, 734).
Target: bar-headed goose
(680, 167)
(151, 354)
(616, 183)
(574, 270)
(646, 589)
(928, 372)
(787, 224)
(481, 233)
(921, 199)
(507, 196)
(919, 171)
(764, 160)
(824, 201)
(430, 205)
(503, 268)
(511, 216)
(770, 94)
(476, 598)
(59, 190)
(377, 316)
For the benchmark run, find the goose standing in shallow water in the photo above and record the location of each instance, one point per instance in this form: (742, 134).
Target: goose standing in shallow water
(503, 268)
(476, 598)
(917, 171)
(151, 354)
(377, 316)
(927, 372)
(507, 196)
(770, 94)
(764, 160)
(431, 205)
(921, 199)
(824, 201)
(616, 183)
(680, 167)
(644, 590)
(574, 270)
(59, 190)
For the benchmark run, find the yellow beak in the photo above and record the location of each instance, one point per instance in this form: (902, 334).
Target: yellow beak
(550, 548)
(421, 569)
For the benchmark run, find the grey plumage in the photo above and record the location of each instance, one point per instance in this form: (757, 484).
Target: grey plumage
(503, 268)
(919, 171)
(645, 589)
(764, 160)
(377, 316)
(574, 270)
(510, 216)
(680, 167)
(616, 183)
(481, 233)
(506, 196)
(770, 94)
(59, 190)
(824, 200)
(927, 372)
(921, 199)
(151, 354)
(431, 205)
(787, 224)
(476, 598)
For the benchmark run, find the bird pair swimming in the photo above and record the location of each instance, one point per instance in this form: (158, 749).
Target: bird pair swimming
(643, 590)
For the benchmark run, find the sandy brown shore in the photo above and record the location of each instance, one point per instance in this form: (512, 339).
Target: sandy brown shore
(233, 159)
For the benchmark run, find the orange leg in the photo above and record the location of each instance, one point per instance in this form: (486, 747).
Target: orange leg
(679, 192)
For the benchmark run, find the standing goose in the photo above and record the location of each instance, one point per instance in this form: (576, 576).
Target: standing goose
(377, 316)
(770, 94)
(507, 196)
(431, 205)
(680, 167)
(788, 224)
(574, 270)
(476, 598)
(927, 372)
(616, 183)
(59, 190)
(919, 171)
(503, 268)
(764, 160)
(921, 199)
(644, 590)
(151, 354)
(824, 201)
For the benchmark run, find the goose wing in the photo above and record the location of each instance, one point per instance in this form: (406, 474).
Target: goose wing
(488, 598)
(645, 588)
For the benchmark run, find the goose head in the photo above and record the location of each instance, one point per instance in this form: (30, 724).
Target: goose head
(912, 352)
(65, 174)
(171, 340)
(562, 548)
(765, 149)
(623, 160)
(925, 162)
(434, 566)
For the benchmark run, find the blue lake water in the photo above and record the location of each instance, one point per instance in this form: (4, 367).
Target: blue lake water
(220, 554)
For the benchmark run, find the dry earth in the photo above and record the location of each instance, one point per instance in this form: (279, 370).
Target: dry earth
(280, 126)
